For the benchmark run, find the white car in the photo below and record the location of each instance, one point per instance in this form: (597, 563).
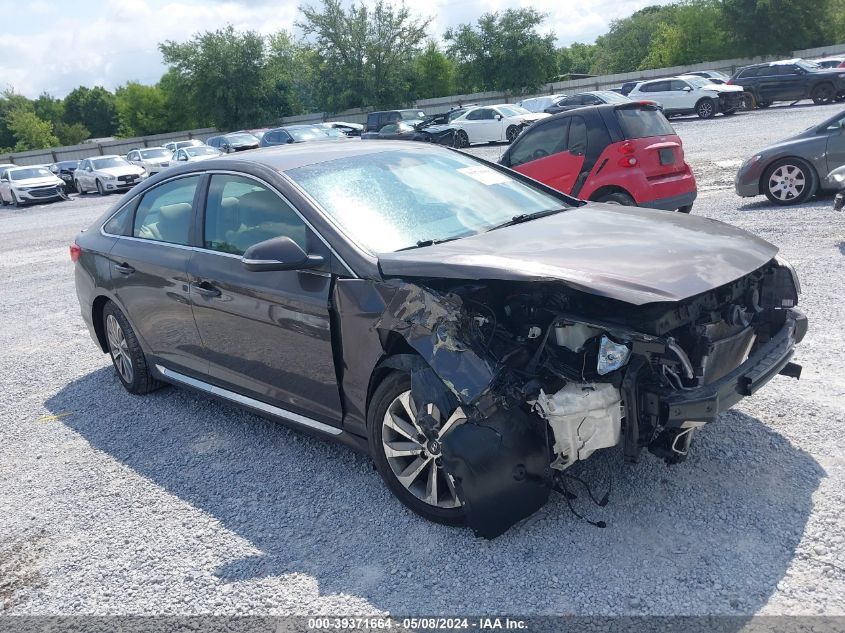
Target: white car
(174, 145)
(19, 185)
(690, 94)
(151, 159)
(107, 174)
(194, 154)
(539, 104)
(490, 124)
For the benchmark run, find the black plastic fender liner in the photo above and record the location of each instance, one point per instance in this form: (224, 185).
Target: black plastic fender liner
(501, 469)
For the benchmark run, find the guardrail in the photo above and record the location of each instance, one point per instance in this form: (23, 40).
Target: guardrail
(430, 106)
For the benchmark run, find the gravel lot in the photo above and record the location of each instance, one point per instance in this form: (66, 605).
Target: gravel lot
(173, 504)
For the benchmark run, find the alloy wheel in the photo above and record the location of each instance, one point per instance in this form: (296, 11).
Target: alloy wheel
(119, 349)
(787, 182)
(512, 133)
(461, 139)
(705, 109)
(414, 456)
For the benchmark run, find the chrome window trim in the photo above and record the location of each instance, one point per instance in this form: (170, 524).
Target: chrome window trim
(247, 401)
(210, 250)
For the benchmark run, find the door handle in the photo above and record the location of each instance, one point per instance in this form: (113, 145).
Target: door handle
(205, 289)
(124, 269)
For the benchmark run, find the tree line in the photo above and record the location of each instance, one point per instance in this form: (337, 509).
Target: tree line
(379, 55)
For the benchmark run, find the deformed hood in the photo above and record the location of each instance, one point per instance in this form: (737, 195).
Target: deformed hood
(627, 253)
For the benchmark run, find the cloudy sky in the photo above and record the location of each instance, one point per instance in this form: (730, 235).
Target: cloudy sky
(56, 46)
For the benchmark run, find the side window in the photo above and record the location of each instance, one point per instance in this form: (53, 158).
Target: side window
(540, 141)
(476, 115)
(166, 212)
(788, 69)
(592, 100)
(242, 212)
(391, 128)
(119, 223)
(578, 136)
(678, 85)
(393, 116)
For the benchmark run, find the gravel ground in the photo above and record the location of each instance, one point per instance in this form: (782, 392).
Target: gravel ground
(173, 504)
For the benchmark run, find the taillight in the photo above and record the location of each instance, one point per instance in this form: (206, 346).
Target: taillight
(626, 148)
(627, 161)
(730, 82)
(75, 252)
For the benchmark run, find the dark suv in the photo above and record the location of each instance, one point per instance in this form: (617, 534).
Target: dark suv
(791, 80)
(377, 120)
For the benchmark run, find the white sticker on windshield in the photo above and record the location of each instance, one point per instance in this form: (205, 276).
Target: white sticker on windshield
(485, 175)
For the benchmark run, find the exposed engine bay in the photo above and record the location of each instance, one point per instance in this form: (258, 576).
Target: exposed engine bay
(548, 375)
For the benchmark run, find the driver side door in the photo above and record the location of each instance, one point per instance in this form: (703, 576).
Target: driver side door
(543, 153)
(84, 175)
(266, 335)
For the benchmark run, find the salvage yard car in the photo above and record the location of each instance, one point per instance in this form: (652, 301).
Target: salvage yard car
(791, 171)
(790, 80)
(690, 94)
(151, 159)
(107, 174)
(491, 124)
(21, 185)
(626, 153)
(475, 331)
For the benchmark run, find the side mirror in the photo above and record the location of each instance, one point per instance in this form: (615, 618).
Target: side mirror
(181, 157)
(687, 89)
(289, 141)
(279, 253)
(499, 117)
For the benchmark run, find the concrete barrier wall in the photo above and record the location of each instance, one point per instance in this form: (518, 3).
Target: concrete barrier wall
(430, 106)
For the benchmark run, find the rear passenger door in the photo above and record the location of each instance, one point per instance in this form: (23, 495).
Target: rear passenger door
(266, 335)
(149, 272)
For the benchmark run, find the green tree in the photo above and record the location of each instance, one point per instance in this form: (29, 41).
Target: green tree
(30, 131)
(765, 27)
(577, 58)
(141, 109)
(628, 41)
(364, 56)
(435, 73)
(222, 72)
(693, 33)
(71, 133)
(182, 111)
(95, 108)
(10, 101)
(290, 75)
(503, 51)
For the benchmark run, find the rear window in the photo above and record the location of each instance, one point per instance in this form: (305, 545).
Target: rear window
(640, 123)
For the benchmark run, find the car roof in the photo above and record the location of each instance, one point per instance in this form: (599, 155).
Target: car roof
(104, 156)
(287, 157)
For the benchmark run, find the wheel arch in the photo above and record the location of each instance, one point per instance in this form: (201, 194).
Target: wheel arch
(398, 356)
(608, 189)
(97, 307)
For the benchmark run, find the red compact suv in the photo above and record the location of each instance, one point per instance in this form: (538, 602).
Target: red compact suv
(622, 153)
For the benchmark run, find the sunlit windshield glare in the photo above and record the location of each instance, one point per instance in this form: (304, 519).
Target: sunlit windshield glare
(200, 151)
(31, 172)
(513, 110)
(306, 133)
(105, 163)
(155, 153)
(394, 199)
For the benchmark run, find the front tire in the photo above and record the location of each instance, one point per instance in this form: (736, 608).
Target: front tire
(705, 109)
(408, 461)
(789, 181)
(461, 139)
(511, 133)
(100, 189)
(15, 202)
(128, 358)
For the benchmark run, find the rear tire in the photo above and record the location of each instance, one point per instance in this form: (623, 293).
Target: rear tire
(78, 187)
(705, 108)
(617, 197)
(15, 202)
(823, 94)
(789, 181)
(384, 399)
(128, 358)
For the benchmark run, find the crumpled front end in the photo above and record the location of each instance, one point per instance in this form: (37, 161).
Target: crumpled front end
(548, 375)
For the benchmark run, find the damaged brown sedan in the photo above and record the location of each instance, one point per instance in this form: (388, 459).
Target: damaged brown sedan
(475, 331)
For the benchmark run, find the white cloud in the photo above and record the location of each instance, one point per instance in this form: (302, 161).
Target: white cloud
(110, 42)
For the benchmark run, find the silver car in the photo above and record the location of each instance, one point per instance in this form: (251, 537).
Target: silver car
(194, 154)
(152, 159)
(19, 185)
(174, 145)
(107, 174)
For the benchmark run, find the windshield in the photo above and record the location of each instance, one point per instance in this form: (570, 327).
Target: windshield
(411, 115)
(155, 153)
(241, 139)
(394, 199)
(698, 82)
(306, 133)
(608, 96)
(513, 110)
(31, 172)
(105, 163)
(181, 144)
(333, 132)
(200, 151)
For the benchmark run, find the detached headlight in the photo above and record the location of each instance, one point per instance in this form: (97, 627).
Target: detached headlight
(612, 356)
